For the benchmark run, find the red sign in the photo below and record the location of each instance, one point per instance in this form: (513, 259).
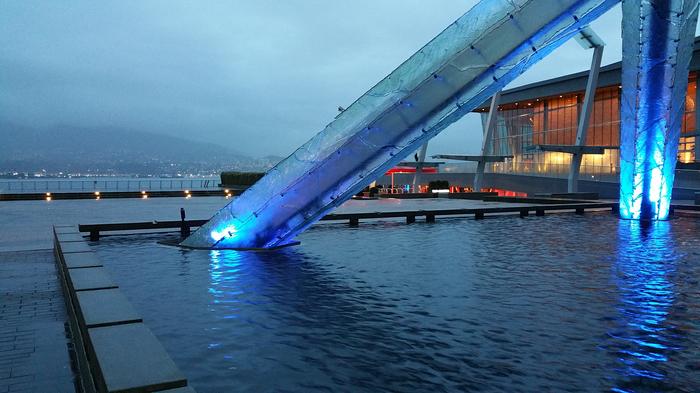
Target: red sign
(407, 169)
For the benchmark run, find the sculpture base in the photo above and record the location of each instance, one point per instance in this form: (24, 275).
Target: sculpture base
(176, 243)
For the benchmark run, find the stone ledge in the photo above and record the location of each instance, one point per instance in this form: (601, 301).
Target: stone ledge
(105, 307)
(70, 237)
(131, 359)
(90, 278)
(81, 260)
(66, 229)
(115, 351)
(69, 247)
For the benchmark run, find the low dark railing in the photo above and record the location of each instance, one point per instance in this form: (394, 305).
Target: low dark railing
(354, 218)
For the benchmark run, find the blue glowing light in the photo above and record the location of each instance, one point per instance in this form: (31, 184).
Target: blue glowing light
(657, 48)
(642, 335)
(228, 232)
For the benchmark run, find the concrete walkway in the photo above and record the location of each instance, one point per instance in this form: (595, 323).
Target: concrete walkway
(34, 346)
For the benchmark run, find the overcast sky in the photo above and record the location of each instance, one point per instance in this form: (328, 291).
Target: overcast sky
(259, 76)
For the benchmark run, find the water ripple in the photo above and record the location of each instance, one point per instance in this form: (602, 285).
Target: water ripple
(556, 303)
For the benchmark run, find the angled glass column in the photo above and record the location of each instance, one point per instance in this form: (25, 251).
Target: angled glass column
(657, 47)
(468, 62)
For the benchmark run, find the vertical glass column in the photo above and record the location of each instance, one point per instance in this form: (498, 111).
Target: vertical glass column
(657, 46)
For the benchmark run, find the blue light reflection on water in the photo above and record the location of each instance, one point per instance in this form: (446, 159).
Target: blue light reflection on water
(644, 272)
(459, 305)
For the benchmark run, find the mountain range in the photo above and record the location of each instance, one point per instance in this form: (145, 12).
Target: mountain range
(115, 151)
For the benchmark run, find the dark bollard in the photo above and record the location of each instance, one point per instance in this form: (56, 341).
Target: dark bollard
(430, 218)
(580, 211)
(184, 228)
(479, 215)
(410, 219)
(539, 212)
(354, 222)
(524, 213)
(94, 236)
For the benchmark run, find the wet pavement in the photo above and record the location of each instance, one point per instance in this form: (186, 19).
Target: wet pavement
(34, 343)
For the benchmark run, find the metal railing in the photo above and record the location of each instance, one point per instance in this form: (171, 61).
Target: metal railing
(78, 185)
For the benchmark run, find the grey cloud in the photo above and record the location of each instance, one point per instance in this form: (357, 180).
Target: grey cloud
(260, 76)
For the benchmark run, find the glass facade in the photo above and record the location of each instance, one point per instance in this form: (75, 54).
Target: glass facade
(553, 121)
(686, 147)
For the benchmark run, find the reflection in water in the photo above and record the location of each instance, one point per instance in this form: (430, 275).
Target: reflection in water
(380, 308)
(644, 270)
(313, 330)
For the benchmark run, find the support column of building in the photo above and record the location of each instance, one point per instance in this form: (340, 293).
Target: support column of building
(584, 118)
(697, 123)
(419, 166)
(486, 144)
(657, 45)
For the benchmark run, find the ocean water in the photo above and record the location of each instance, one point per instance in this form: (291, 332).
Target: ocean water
(88, 184)
(554, 303)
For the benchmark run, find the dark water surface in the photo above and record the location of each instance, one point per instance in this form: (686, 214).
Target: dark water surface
(555, 303)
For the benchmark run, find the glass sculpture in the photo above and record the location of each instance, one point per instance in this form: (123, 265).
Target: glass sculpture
(473, 58)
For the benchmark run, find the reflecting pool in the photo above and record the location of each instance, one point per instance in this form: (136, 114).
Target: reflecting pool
(555, 303)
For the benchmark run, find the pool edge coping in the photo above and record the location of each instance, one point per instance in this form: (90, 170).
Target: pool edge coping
(92, 377)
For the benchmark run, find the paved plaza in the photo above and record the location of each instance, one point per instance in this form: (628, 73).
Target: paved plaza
(34, 347)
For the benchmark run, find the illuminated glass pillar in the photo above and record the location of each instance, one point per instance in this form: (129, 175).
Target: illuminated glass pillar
(472, 59)
(657, 47)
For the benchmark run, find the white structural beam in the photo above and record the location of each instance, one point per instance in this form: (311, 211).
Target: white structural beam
(584, 118)
(486, 144)
(588, 39)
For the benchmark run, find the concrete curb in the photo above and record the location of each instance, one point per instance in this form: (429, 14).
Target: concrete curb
(114, 350)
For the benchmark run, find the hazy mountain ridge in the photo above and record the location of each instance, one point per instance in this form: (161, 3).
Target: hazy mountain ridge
(113, 150)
